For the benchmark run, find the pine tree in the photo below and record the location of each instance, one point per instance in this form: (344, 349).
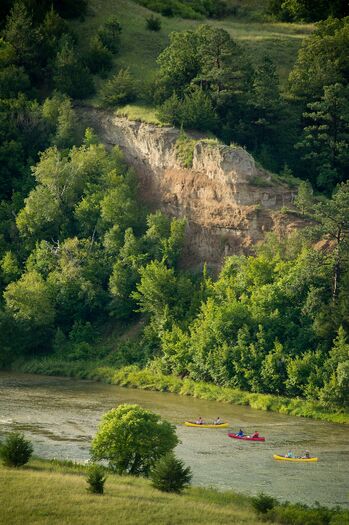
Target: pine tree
(20, 33)
(70, 75)
(325, 139)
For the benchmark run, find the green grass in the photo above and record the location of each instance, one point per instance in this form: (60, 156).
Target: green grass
(140, 113)
(140, 47)
(52, 493)
(146, 379)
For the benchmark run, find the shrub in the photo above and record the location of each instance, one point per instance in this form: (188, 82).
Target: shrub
(153, 23)
(170, 474)
(95, 479)
(263, 503)
(16, 450)
(185, 150)
(120, 89)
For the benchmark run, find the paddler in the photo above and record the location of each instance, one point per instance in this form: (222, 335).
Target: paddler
(218, 421)
(199, 421)
(255, 435)
(241, 433)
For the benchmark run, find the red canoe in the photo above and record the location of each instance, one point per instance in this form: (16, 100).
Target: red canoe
(246, 438)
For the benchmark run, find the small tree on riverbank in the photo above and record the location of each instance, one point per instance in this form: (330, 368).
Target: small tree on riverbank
(95, 479)
(132, 439)
(170, 474)
(16, 450)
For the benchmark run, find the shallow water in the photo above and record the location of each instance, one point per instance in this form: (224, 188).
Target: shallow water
(61, 415)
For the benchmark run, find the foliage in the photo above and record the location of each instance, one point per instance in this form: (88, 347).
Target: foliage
(189, 9)
(263, 503)
(98, 58)
(170, 475)
(185, 150)
(96, 479)
(326, 136)
(70, 75)
(120, 89)
(321, 60)
(305, 10)
(109, 34)
(153, 23)
(16, 450)
(132, 439)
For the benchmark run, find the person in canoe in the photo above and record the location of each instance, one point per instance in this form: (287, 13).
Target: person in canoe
(199, 421)
(241, 433)
(306, 455)
(289, 454)
(255, 435)
(218, 421)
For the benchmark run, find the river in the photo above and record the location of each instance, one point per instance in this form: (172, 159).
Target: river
(61, 415)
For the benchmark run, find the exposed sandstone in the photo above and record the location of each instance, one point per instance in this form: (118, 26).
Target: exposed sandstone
(228, 200)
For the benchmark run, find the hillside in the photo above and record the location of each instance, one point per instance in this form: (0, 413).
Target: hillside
(56, 495)
(140, 48)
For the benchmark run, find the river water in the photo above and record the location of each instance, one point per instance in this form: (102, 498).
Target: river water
(61, 415)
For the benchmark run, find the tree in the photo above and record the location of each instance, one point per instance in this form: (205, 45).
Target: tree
(16, 450)
(98, 58)
(70, 76)
(322, 60)
(332, 217)
(224, 71)
(20, 33)
(29, 299)
(326, 136)
(170, 475)
(336, 388)
(120, 89)
(109, 34)
(95, 479)
(179, 63)
(132, 439)
(304, 198)
(313, 10)
(13, 80)
(266, 108)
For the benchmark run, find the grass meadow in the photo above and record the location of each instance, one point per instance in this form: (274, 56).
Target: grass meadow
(46, 492)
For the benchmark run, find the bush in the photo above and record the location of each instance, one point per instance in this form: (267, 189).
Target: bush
(95, 479)
(16, 450)
(153, 23)
(170, 475)
(120, 89)
(263, 503)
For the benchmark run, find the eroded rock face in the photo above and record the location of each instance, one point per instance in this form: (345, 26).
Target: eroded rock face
(229, 202)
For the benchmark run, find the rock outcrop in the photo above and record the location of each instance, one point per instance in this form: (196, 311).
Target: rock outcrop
(228, 200)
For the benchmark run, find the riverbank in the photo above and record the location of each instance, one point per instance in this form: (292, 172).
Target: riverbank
(133, 376)
(55, 492)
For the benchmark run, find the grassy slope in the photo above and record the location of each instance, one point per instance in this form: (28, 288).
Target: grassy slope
(42, 493)
(140, 47)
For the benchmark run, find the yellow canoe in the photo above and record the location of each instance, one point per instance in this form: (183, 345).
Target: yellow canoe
(283, 458)
(206, 425)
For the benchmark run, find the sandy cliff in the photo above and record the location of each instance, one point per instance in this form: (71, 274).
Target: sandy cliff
(228, 200)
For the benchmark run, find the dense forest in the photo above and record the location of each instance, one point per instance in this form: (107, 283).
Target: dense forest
(78, 251)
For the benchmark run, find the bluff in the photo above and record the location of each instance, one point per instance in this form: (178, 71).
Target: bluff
(229, 201)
